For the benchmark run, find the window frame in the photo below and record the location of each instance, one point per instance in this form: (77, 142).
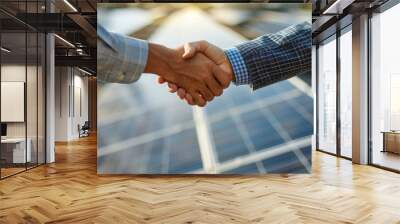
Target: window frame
(336, 38)
(381, 9)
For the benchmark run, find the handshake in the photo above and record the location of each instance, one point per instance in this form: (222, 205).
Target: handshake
(197, 71)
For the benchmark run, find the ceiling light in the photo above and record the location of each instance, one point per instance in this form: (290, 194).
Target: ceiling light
(79, 51)
(65, 41)
(337, 7)
(86, 72)
(5, 50)
(70, 5)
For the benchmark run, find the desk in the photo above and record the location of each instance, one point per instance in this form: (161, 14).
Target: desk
(18, 149)
(391, 141)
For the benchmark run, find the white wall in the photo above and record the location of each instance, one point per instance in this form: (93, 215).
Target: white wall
(61, 103)
(70, 83)
(80, 83)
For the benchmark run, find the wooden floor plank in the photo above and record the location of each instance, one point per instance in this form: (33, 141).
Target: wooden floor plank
(70, 191)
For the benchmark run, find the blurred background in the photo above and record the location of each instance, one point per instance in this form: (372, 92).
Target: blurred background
(143, 129)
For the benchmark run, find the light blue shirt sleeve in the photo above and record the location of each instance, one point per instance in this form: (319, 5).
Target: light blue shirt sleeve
(238, 66)
(120, 58)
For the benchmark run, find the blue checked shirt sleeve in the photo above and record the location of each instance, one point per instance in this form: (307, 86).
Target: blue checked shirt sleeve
(120, 58)
(272, 57)
(238, 66)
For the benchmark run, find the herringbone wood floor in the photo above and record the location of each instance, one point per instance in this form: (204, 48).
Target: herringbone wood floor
(69, 191)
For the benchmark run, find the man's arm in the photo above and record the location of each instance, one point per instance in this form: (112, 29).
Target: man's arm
(272, 57)
(260, 62)
(120, 58)
(123, 59)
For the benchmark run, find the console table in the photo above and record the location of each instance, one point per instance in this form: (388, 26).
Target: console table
(391, 141)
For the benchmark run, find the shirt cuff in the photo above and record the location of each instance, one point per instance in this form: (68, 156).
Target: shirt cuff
(238, 66)
(120, 59)
(134, 53)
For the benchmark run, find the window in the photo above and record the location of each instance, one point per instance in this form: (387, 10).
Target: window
(327, 95)
(385, 89)
(346, 93)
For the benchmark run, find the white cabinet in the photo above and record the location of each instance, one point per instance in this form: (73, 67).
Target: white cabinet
(18, 149)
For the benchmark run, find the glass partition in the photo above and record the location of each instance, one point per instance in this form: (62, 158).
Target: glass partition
(14, 154)
(31, 99)
(41, 96)
(22, 90)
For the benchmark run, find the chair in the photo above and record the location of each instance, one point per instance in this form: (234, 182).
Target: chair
(84, 130)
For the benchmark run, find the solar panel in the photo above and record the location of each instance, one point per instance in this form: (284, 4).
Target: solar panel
(184, 153)
(260, 130)
(247, 169)
(291, 164)
(143, 129)
(228, 141)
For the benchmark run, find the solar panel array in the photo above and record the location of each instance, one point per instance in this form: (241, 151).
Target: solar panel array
(145, 130)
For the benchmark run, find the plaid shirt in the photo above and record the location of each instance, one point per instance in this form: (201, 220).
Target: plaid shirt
(272, 57)
(238, 66)
(119, 58)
